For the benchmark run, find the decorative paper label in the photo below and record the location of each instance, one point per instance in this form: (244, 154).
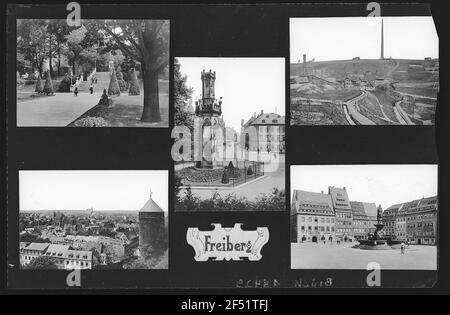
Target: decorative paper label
(227, 243)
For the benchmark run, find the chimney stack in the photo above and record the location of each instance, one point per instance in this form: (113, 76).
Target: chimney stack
(304, 65)
(382, 40)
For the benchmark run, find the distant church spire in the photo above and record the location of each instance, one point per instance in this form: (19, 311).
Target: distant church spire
(382, 40)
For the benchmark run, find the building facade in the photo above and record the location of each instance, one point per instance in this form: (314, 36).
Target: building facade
(421, 222)
(343, 212)
(319, 217)
(390, 221)
(264, 133)
(29, 251)
(362, 219)
(312, 218)
(63, 255)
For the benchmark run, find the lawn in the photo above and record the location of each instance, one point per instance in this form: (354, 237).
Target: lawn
(126, 112)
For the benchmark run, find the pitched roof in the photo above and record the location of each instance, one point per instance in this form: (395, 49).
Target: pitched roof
(151, 206)
(358, 208)
(57, 250)
(370, 209)
(313, 198)
(38, 246)
(79, 254)
(268, 119)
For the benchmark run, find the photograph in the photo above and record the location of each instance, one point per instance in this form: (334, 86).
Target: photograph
(231, 116)
(347, 216)
(93, 220)
(104, 73)
(364, 71)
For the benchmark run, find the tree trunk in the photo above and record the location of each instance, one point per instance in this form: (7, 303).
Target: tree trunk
(50, 52)
(59, 58)
(151, 96)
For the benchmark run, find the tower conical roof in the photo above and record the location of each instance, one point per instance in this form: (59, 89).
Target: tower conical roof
(151, 206)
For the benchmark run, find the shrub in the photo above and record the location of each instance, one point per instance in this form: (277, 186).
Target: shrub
(91, 122)
(48, 86)
(113, 89)
(42, 262)
(249, 170)
(39, 87)
(225, 179)
(104, 100)
(64, 85)
(134, 84)
(122, 84)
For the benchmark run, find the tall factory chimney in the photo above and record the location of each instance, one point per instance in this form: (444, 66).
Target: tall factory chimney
(304, 65)
(382, 40)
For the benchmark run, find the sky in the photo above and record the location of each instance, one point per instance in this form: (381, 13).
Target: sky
(382, 184)
(344, 38)
(247, 85)
(102, 190)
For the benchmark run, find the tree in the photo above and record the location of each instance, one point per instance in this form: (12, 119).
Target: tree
(48, 86)
(182, 93)
(42, 262)
(59, 29)
(23, 65)
(113, 89)
(39, 87)
(134, 84)
(31, 42)
(146, 42)
(74, 46)
(33, 238)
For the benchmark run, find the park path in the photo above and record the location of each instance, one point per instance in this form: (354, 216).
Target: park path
(62, 108)
(54, 111)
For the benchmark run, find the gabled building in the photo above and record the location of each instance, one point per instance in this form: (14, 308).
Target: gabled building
(343, 212)
(312, 217)
(29, 251)
(364, 218)
(390, 220)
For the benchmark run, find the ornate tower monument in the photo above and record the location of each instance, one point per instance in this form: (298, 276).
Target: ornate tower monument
(382, 40)
(151, 226)
(209, 110)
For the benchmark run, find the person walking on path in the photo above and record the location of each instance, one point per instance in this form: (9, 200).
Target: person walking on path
(76, 91)
(402, 248)
(91, 88)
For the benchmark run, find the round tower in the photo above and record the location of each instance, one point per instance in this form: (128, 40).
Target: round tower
(151, 227)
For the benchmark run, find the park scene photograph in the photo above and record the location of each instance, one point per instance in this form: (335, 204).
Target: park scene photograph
(364, 71)
(103, 73)
(350, 216)
(230, 120)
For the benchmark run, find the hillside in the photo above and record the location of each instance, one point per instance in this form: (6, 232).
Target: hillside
(394, 87)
